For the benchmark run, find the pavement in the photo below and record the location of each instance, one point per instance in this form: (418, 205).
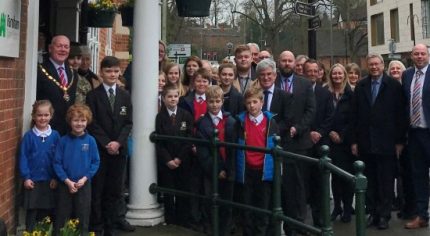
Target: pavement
(339, 228)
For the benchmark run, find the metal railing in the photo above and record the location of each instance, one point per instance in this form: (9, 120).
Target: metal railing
(276, 214)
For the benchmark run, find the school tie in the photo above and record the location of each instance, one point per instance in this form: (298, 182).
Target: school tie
(266, 99)
(416, 99)
(63, 79)
(111, 98)
(200, 100)
(173, 118)
(374, 90)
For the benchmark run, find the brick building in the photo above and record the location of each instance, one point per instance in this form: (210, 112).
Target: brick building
(18, 77)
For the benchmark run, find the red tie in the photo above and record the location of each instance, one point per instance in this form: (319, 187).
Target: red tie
(63, 80)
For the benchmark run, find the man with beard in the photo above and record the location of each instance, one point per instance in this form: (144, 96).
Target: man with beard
(300, 117)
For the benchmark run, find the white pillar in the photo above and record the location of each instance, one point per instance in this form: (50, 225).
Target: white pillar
(143, 208)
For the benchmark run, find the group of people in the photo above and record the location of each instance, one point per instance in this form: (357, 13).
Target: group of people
(73, 159)
(381, 118)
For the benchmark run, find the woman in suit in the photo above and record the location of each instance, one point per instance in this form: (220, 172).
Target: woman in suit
(339, 144)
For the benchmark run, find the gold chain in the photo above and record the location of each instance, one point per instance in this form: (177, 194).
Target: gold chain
(64, 88)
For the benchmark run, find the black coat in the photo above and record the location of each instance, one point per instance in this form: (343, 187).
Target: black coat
(342, 116)
(233, 102)
(301, 112)
(110, 125)
(378, 128)
(49, 90)
(324, 113)
(279, 106)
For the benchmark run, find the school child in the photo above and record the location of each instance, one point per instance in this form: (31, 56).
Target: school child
(233, 100)
(173, 75)
(215, 118)
(161, 84)
(254, 169)
(35, 164)
(76, 162)
(111, 126)
(173, 156)
(195, 103)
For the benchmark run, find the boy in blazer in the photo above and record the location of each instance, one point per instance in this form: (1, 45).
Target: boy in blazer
(173, 157)
(111, 127)
(205, 126)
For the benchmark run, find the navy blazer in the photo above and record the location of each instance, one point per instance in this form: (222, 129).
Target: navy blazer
(407, 77)
(324, 113)
(379, 127)
(110, 125)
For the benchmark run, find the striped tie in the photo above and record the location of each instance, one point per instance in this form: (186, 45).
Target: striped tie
(63, 80)
(416, 99)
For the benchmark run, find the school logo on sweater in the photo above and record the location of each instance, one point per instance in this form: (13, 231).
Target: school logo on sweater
(85, 147)
(123, 111)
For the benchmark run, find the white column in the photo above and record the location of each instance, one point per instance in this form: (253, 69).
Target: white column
(143, 208)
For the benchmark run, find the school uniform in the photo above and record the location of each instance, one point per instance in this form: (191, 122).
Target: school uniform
(226, 126)
(110, 123)
(75, 157)
(176, 123)
(255, 170)
(35, 157)
(233, 102)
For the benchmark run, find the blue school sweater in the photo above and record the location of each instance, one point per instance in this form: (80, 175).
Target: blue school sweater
(76, 157)
(36, 155)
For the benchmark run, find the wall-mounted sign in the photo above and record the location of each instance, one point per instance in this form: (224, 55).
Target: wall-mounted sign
(10, 27)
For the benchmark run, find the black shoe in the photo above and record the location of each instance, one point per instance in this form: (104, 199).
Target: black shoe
(108, 232)
(335, 213)
(383, 224)
(125, 226)
(372, 221)
(346, 217)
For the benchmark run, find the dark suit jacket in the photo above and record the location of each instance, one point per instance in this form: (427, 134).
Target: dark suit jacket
(167, 150)
(324, 113)
(280, 107)
(204, 130)
(378, 128)
(110, 125)
(233, 102)
(47, 89)
(407, 77)
(301, 113)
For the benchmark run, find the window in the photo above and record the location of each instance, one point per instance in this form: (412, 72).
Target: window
(93, 44)
(377, 29)
(425, 13)
(394, 24)
(373, 2)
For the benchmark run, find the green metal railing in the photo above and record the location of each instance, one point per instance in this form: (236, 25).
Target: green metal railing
(276, 214)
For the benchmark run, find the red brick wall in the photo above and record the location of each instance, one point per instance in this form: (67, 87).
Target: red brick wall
(11, 109)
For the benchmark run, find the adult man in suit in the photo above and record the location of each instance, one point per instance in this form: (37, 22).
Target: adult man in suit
(318, 135)
(415, 81)
(245, 76)
(111, 126)
(56, 81)
(378, 136)
(301, 114)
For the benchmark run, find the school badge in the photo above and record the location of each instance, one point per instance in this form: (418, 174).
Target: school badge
(123, 111)
(85, 147)
(183, 126)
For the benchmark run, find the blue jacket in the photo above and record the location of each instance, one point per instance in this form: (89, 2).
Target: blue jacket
(272, 129)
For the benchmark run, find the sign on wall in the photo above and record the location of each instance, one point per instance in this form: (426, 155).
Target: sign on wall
(10, 26)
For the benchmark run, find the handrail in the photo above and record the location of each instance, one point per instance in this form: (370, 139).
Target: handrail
(324, 163)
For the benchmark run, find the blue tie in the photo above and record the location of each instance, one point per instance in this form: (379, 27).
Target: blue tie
(374, 90)
(266, 100)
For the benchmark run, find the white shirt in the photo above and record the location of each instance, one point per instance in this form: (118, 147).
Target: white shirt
(58, 66)
(107, 87)
(422, 123)
(42, 134)
(172, 112)
(197, 96)
(269, 99)
(256, 120)
(216, 118)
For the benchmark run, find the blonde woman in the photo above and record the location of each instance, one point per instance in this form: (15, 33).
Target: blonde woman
(340, 151)
(173, 76)
(395, 70)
